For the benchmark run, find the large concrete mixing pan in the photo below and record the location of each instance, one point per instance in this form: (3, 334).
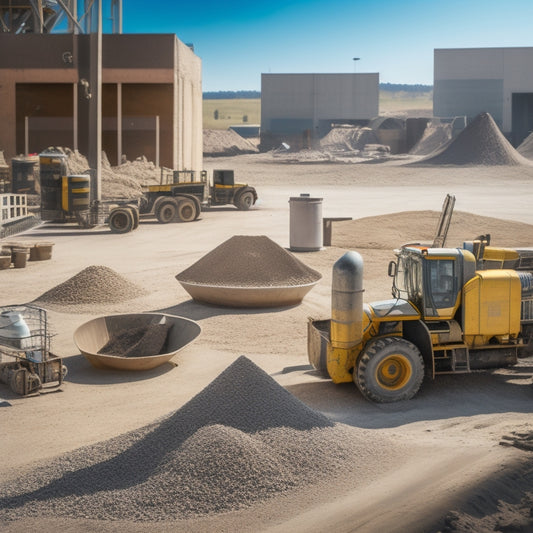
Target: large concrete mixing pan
(248, 296)
(95, 334)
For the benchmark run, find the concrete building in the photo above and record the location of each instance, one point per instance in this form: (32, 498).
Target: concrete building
(151, 96)
(468, 81)
(299, 109)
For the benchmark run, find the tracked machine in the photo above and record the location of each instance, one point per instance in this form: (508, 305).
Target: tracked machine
(454, 310)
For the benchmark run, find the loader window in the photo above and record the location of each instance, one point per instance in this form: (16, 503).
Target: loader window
(442, 283)
(408, 281)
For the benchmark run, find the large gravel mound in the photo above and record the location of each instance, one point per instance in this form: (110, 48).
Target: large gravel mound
(526, 148)
(347, 139)
(241, 440)
(226, 142)
(435, 137)
(391, 231)
(93, 285)
(480, 143)
(249, 261)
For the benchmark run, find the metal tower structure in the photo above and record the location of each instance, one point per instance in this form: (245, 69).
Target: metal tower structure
(55, 16)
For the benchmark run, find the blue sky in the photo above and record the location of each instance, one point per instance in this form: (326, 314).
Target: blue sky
(238, 40)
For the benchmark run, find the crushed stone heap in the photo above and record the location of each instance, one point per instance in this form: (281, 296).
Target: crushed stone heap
(249, 261)
(526, 147)
(348, 138)
(93, 285)
(480, 143)
(225, 143)
(435, 136)
(241, 440)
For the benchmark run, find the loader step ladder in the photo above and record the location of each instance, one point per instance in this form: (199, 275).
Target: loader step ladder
(457, 354)
(444, 221)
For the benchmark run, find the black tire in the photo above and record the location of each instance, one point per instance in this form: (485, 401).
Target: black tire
(187, 210)
(389, 369)
(166, 212)
(245, 200)
(121, 220)
(136, 218)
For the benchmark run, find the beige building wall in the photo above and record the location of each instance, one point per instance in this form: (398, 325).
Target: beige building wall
(149, 82)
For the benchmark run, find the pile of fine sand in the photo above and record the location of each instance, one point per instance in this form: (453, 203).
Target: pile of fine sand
(115, 185)
(141, 170)
(241, 440)
(480, 143)
(249, 261)
(343, 138)
(526, 147)
(93, 285)
(226, 143)
(435, 136)
(388, 232)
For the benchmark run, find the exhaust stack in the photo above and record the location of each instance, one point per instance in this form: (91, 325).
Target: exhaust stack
(347, 301)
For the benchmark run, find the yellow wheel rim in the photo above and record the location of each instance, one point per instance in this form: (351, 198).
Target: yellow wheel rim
(393, 372)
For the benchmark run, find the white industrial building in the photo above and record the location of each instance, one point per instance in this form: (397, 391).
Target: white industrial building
(300, 108)
(468, 81)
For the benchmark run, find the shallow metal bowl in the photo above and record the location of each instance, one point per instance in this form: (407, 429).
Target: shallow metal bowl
(93, 335)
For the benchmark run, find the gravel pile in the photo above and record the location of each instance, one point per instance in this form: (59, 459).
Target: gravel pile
(480, 143)
(348, 139)
(249, 261)
(435, 136)
(241, 440)
(93, 285)
(526, 147)
(137, 342)
(226, 142)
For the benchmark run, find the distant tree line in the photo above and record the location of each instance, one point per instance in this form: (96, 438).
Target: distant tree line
(415, 88)
(392, 87)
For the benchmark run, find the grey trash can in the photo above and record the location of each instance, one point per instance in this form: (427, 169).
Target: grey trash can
(306, 233)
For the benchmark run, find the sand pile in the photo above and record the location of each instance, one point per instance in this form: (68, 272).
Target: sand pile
(348, 139)
(388, 232)
(93, 285)
(115, 185)
(435, 136)
(480, 143)
(226, 142)
(249, 261)
(526, 147)
(137, 342)
(141, 170)
(241, 440)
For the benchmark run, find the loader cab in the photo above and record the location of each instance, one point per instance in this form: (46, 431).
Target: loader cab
(430, 278)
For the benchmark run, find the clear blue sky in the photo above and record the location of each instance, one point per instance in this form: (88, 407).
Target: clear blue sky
(240, 39)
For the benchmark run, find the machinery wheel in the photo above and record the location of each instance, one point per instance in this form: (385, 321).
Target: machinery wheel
(187, 210)
(121, 220)
(390, 369)
(136, 218)
(167, 211)
(245, 200)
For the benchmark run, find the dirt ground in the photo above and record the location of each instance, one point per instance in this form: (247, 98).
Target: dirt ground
(453, 475)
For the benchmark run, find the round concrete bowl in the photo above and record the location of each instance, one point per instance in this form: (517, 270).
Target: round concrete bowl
(248, 296)
(93, 335)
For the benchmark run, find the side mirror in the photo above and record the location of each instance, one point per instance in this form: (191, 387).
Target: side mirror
(392, 269)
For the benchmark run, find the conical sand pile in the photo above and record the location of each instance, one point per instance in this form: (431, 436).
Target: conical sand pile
(93, 285)
(348, 138)
(241, 440)
(435, 137)
(249, 261)
(526, 148)
(226, 142)
(480, 143)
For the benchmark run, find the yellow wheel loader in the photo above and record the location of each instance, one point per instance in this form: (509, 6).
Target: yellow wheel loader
(454, 310)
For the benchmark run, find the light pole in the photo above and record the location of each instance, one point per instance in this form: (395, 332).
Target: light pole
(355, 60)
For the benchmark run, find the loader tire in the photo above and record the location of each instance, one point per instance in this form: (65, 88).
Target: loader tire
(121, 220)
(166, 211)
(245, 200)
(187, 210)
(389, 369)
